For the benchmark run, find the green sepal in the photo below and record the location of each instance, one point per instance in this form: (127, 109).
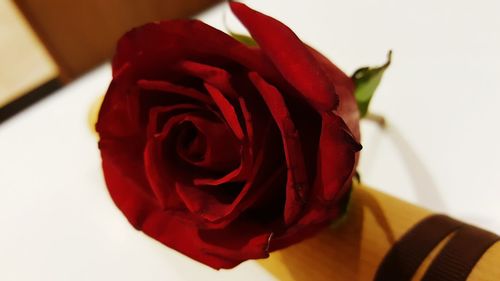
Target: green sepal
(366, 80)
(245, 39)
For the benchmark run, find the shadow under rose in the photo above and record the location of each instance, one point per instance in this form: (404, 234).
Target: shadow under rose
(423, 183)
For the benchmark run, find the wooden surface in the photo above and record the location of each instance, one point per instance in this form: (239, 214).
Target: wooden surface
(82, 34)
(24, 63)
(353, 249)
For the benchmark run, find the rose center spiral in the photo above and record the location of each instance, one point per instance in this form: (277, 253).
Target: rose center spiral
(208, 144)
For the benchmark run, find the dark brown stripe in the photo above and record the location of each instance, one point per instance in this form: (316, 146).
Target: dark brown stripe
(459, 256)
(406, 255)
(29, 98)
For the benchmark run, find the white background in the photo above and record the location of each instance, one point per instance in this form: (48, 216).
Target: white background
(441, 97)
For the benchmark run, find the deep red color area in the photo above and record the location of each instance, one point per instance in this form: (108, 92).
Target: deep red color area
(226, 152)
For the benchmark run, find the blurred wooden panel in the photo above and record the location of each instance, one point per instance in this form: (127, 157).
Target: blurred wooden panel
(24, 63)
(81, 34)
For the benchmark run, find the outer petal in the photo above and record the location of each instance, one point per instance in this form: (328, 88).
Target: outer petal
(344, 86)
(297, 174)
(154, 47)
(336, 158)
(124, 174)
(290, 56)
(336, 162)
(115, 117)
(185, 237)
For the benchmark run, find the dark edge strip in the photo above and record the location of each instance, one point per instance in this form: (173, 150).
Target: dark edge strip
(457, 259)
(407, 254)
(29, 98)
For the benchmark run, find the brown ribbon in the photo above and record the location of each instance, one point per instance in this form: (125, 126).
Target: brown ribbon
(406, 255)
(460, 255)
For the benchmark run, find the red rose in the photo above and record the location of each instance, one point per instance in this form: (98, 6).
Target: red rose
(222, 151)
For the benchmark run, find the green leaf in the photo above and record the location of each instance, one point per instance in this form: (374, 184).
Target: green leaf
(367, 80)
(245, 39)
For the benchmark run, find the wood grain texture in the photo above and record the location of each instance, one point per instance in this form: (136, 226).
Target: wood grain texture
(82, 34)
(24, 62)
(353, 249)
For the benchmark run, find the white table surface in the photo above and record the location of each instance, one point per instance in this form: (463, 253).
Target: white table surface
(441, 96)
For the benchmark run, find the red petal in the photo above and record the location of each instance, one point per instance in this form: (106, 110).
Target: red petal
(155, 123)
(336, 161)
(246, 155)
(206, 202)
(223, 149)
(116, 115)
(159, 171)
(240, 240)
(123, 171)
(297, 175)
(168, 87)
(290, 56)
(154, 47)
(185, 237)
(248, 121)
(234, 175)
(344, 86)
(336, 158)
(217, 77)
(226, 109)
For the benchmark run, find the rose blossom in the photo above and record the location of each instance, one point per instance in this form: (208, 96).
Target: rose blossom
(223, 151)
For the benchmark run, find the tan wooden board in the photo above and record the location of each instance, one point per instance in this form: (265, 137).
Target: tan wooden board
(82, 34)
(24, 63)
